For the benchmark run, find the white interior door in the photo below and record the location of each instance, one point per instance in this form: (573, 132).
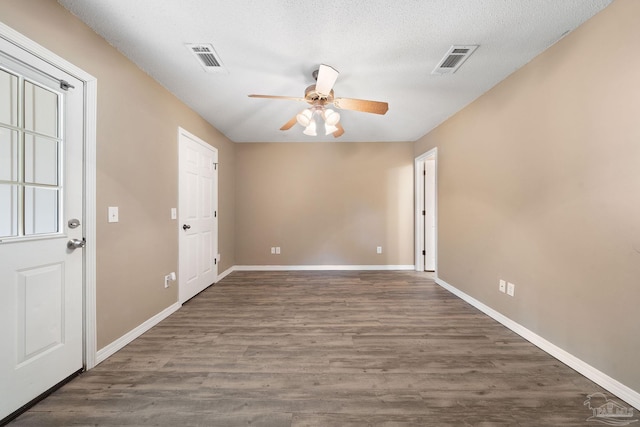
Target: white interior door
(41, 190)
(426, 211)
(430, 214)
(198, 206)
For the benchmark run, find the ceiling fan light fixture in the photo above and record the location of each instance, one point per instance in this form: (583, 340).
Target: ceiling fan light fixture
(304, 118)
(318, 96)
(330, 117)
(310, 129)
(329, 129)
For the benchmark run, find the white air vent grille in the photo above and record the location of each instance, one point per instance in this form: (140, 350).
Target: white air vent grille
(453, 59)
(207, 56)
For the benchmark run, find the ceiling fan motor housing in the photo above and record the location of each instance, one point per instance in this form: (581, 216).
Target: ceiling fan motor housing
(313, 97)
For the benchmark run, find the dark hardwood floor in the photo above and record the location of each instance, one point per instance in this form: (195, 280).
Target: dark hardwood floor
(323, 349)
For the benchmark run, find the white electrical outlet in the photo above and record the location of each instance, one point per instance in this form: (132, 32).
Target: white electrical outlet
(277, 250)
(168, 278)
(502, 286)
(273, 250)
(174, 213)
(379, 250)
(511, 289)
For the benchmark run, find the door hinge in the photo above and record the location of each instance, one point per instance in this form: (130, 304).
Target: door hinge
(215, 214)
(424, 172)
(215, 166)
(424, 252)
(215, 261)
(424, 212)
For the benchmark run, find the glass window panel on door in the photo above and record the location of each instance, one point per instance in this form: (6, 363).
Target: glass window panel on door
(40, 160)
(30, 158)
(8, 154)
(9, 206)
(40, 110)
(9, 138)
(40, 210)
(8, 98)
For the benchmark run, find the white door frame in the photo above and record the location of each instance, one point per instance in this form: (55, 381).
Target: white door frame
(419, 203)
(89, 89)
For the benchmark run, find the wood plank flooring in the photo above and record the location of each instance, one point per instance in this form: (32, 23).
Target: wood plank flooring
(323, 349)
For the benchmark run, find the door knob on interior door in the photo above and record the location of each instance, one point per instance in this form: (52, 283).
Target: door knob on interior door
(186, 227)
(76, 243)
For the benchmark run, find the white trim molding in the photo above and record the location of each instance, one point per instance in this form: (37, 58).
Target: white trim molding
(90, 88)
(110, 349)
(91, 118)
(225, 273)
(322, 267)
(623, 392)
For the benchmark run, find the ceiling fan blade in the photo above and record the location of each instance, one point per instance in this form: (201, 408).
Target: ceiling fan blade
(363, 105)
(289, 98)
(339, 132)
(289, 124)
(326, 79)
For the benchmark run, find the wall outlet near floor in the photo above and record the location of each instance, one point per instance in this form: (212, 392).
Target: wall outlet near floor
(379, 250)
(277, 250)
(502, 286)
(511, 289)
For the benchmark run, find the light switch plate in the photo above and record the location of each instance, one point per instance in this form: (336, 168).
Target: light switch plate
(174, 213)
(511, 289)
(113, 214)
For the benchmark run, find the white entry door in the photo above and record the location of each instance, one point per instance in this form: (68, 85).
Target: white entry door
(41, 210)
(430, 214)
(198, 215)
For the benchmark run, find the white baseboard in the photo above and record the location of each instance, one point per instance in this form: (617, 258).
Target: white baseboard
(110, 349)
(225, 273)
(625, 393)
(322, 267)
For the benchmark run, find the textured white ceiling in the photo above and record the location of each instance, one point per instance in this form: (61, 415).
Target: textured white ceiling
(385, 50)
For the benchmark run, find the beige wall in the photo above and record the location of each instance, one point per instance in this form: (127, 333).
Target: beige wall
(324, 203)
(539, 184)
(137, 169)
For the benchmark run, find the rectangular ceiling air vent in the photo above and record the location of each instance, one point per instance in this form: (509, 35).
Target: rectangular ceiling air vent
(453, 59)
(207, 57)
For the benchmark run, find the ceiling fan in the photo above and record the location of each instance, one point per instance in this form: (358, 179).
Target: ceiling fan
(320, 95)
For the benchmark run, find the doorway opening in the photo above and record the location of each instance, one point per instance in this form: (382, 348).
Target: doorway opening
(426, 211)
